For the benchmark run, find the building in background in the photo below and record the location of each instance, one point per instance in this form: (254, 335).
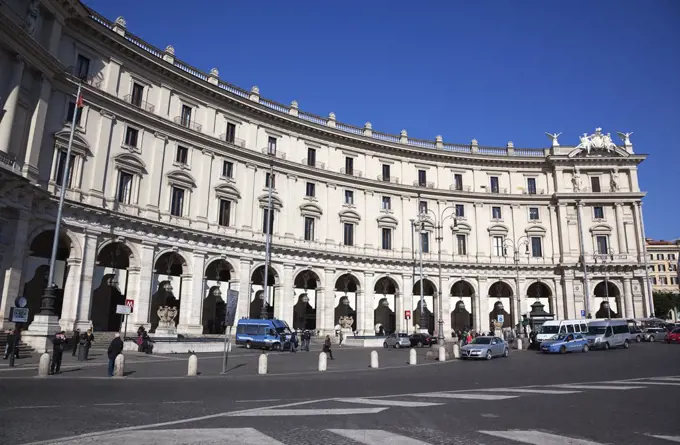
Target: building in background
(167, 199)
(663, 264)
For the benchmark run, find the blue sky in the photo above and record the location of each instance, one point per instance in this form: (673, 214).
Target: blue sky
(491, 70)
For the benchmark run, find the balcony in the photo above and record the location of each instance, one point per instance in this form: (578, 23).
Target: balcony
(390, 179)
(94, 80)
(314, 164)
(8, 161)
(184, 122)
(274, 153)
(462, 188)
(235, 141)
(533, 192)
(426, 184)
(352, 172)
(144, 105)
(497, 191)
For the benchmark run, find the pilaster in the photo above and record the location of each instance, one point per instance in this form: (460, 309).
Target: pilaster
(326, 304)
(70, 303)
(133, 274)
(189, 314)
(36, 131)
(101, 151)
(153, 200)
(288, 294)
(112, 76)
(366, 315)
(13, 266)
(84, 296)
(245, 288)
(620, 231)
(628, 298)
(11, 104)
(144, 291)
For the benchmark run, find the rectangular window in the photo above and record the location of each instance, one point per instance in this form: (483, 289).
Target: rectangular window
(131, 136)
(349, 165)
(137, 94)
(182, 155)
(663, 281)
(177, 203)
(71, 110)
(498, 246)
(311, 156)
(654, 281)
(270, 178)
(349, 197)
(228, 169)
(460, 210)
(458, 181)
(674, 280)
(225, 213)
(386, 203)
(595, 183)
(309, 229)
(265, 212)
(82, 67)
(531, 186)
(185, 117)
(310, 190)
(462, 245)
(422, 178)
(425, 241)
(348, 232)
(602, 244)
(671, 256)
(659, 256)
(662, 268)
(124, 193)
(386, 239)
(495, 213)
(536, 248)
(533, 214)
(61, 165)
(386, 172)
(598, 212)
(271, 145)
(422, 207)
(494, 184)
(231, 133)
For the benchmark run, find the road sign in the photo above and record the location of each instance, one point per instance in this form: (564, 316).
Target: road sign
(123, 309)
(232, 303)
(130, 304)
(20, 301)
(407, 314)
(18, 314)
(501, 318)
(583, 312)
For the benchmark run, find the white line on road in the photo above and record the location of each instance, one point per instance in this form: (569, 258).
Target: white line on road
(377, 437)
(668, 438)
(306, 412)
(464, 396)
(256, 401)
(182, 401)
(620, 388)
(207, 436)
(384, 402)
(110, 404)
(672, 379)
(36, 407)
(538, 438)
(530, 391)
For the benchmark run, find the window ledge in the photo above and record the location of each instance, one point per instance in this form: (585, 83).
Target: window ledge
(227, 178)
(310, 198)
(181, 165)
(535, 221)
(349, 206)
(388, 211)
(600, 220)
(80, 128)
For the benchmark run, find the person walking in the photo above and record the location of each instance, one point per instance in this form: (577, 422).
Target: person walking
(57, 352)
(293, 341)
(306, 339)
(327, 347)
(115, 348)
(9, 346)
(75, 339)
(89, 339)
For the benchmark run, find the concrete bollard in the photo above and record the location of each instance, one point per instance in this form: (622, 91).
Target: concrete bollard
(323, 361)
(442, 354)
(119, 366)
(374, 360)
(412, 357)
(262, 364)
(44, 366)
(456, 351)
(193, 366)
(519, 344)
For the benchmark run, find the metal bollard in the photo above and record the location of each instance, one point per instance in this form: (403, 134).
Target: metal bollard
(412, 357)
(323, 361)
(262, 364)
(456, 351)
(193, 366)
(374, 360)
(44, 366)
(119, 366)
(442, 354)
(519, 344)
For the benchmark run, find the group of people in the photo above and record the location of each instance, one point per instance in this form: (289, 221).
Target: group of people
(144, 342)
(306, 337)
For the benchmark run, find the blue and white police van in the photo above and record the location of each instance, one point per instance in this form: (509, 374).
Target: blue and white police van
(260, 333)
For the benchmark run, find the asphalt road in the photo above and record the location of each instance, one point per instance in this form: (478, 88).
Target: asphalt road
(433, 403)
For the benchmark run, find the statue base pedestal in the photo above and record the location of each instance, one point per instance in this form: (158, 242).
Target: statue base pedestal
(165, 333)
(38, 333)
(347, 331)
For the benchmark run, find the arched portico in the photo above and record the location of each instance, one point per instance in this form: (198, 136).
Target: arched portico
(423, 315)
(217, 282)
(110, 284)
(347, 286)
(384, 301)
(305, 287)
(539, 291)
(462, 315)
(258, 301)
(167, 284)
(500, 293)
(607, 300)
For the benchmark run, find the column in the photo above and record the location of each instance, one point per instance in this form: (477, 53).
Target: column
(112, 76)
(185, 305)
(628, 298)
(245, 288)
(247, 203)
(203, 194)
(563, 232)
(287, 226)
(100, 148)
(35, 133)
(366, 314)
(143, 300)
(326, 303)
(406, 228)
(83, 309)
(55, 37)
(155, 188)
(620, 230)
(13, 265)
(276, 296)
(132, 293)
(288, 294)
(194, 300)
(475, 224)
(646, 289)
(476, 312)
(400, 322)
(520, 301)
(553, 230)
(11, 103)
(70, 303)
(483, 312)
(407, 302)
(570, 305)
(446, 308)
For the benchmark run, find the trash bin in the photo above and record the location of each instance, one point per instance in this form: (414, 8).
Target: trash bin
(82, 352)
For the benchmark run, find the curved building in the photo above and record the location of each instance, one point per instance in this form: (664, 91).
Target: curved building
(168, 193)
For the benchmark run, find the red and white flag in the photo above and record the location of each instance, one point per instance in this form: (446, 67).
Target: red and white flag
(79, 101)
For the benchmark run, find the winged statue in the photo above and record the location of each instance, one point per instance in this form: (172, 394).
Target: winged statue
(625, 137)
(553, 137)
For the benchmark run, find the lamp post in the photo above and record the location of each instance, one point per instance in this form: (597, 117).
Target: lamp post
(609, 256)
(516, 246)
(267, 236)
(419, 226)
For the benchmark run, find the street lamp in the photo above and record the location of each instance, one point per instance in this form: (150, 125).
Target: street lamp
(271, 151)
(609, 256)
(516, 246)
(419, 226)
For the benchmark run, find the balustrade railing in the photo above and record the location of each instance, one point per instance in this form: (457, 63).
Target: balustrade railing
(391, 179)
(274, 106)
(188, 123)
(426, 184)
(235, 141)
(314, 164)
(275, 153)
(8, 160)
(352, 172)
(144, 105)
(462, 188)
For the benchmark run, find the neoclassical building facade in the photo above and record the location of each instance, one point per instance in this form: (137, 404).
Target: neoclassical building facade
(168, 192)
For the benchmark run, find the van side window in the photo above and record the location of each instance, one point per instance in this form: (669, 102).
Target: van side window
(608, 332)
(272, 332)
(251, 329)
(241, 329)
(577, 328)
(621, 329)
(261, 329)
(570, 328)
(563, 330)
(584, 328)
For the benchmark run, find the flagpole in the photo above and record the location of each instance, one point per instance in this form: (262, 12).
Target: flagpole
(47, 307)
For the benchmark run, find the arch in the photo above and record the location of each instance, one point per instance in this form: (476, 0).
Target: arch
(539, 289)
(117, 254)
(41, 245)
(169, 263)
(461, 227)
(213, 258)
(345, 312)
(257, 273)
(429, 288)
(76, 249)
(277, 204)
(80, 145)
(304, 307)
(384, 318)
(110, 284)
(181, 178)
(462, 288)
(311, 209)
(305, 278)
(580, 151)
(601, 229)
(263, 299)
(498, 229)
(537, 230)
(606, 291)
(500, 289)
(228, 191)
(218, 269)
(349, 216)
(130, 162)
(462, 316)
(387, 221)
(386, 285)
(347, 282)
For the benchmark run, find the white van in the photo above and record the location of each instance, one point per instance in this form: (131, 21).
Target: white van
(607, 334)
(551, 329)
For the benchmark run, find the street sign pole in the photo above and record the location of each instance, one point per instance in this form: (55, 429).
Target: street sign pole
(226, 350)
(229, 316)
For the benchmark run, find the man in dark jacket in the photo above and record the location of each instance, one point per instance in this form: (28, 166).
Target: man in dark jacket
(115, 348)
(75, 340)
(57, 352)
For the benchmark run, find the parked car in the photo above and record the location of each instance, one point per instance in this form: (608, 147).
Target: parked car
(566, 343)
(654, 334)
(607, 334)
(673, 336)
(486, 348)
(635, 333)
(421, 340)
(397, 341)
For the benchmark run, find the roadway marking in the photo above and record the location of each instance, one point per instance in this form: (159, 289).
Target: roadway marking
(530, 391)
(207, 436)
(110, 404)
(653, 383)
(256, 401)
(377, 437)
(383, 402)
(464, 396)
(620, 388)
(672, 379)
(539, 438)
(306, 412)
(668, 438)
(35, 407)
(182, 401)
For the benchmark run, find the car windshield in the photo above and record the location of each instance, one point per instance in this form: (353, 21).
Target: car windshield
(283, 330)
(481, 341)
(561, 338)
(596, 330)
(549, 329)
(675, 331)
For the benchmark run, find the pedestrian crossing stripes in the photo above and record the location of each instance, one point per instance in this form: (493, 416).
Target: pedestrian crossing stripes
(530, 391)
(464, 396)
(383, 402)
(249, 436)
(305, 412)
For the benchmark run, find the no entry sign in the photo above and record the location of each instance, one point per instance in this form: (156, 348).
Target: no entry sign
(407, 314)
(130, 304)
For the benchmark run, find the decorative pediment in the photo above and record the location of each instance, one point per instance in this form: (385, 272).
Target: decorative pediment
(349, 216)
(601, 144)
(181, 178)
(276, 201)
(130, 162)
(387, 221)
(462, 228)
(228, 191)
(537, 230)
(498, 229)
(311, 209)
(80, 145)
(601, 229)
